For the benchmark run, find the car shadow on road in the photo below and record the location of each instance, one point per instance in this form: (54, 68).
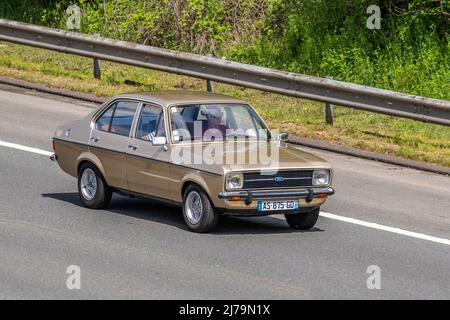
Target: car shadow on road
(150, 210)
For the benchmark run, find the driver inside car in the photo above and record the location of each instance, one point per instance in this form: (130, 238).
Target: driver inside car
(214, 118)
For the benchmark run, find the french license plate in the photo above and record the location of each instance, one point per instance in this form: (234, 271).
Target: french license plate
(277, 205)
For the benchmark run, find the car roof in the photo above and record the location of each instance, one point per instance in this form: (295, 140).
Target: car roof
(167, 98)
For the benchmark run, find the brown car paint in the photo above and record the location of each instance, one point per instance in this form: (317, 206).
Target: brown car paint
(149, 171)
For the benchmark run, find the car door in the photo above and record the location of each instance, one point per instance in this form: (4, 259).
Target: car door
(148, 164)
(109, 140)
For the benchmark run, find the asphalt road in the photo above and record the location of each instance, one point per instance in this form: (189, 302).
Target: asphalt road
(141, 249)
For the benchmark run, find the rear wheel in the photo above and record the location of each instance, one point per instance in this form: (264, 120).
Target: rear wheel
(198, 212)
(303, 221)
(92, 189)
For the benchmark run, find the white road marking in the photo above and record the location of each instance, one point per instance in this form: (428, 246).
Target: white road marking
(25, 148)
(385, 228)
(323, 214)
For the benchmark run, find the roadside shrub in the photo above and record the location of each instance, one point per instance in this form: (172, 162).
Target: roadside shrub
(410, 53)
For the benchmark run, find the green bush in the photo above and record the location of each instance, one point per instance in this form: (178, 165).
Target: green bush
(329, 38)
(410, 53)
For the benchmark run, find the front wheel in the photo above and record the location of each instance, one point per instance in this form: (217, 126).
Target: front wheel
(198, 212)
(93, 190)
(303, 221)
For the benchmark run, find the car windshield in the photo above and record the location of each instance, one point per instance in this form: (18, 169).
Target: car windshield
(216, 122)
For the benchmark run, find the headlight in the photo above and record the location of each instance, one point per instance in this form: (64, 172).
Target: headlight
(234, 181)
(321, 177)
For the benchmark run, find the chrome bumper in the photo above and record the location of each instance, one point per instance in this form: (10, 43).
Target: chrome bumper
(248, 195)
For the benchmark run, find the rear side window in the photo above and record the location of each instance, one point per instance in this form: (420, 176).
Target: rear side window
(104, 121)
(123, 118)
(118, 118)
(151, 123)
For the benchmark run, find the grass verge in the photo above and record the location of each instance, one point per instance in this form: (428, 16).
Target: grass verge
(359, 129)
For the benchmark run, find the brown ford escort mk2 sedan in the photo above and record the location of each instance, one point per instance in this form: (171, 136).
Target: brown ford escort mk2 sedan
(209, 153)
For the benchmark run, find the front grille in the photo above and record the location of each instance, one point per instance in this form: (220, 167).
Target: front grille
(281, 179)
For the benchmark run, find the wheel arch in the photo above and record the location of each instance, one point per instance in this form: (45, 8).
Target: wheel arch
(189, 182)
(90, 158)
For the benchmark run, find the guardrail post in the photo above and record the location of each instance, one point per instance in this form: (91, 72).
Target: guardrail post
(209, 84)
(329, 111)
(97, 72)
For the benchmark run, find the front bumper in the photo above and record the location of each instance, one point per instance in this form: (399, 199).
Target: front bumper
(248, 196)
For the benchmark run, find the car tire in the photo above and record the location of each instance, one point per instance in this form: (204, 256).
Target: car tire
(198, 211)
(92, 188)
(303, 221)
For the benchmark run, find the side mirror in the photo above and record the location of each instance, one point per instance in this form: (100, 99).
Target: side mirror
(159, 141)
(283, 136)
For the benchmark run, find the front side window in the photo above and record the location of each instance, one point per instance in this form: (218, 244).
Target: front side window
(210, 122)
(118, 118)
(151, 123)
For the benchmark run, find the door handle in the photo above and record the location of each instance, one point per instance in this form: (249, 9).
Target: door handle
(95, 139)
(133, 146)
